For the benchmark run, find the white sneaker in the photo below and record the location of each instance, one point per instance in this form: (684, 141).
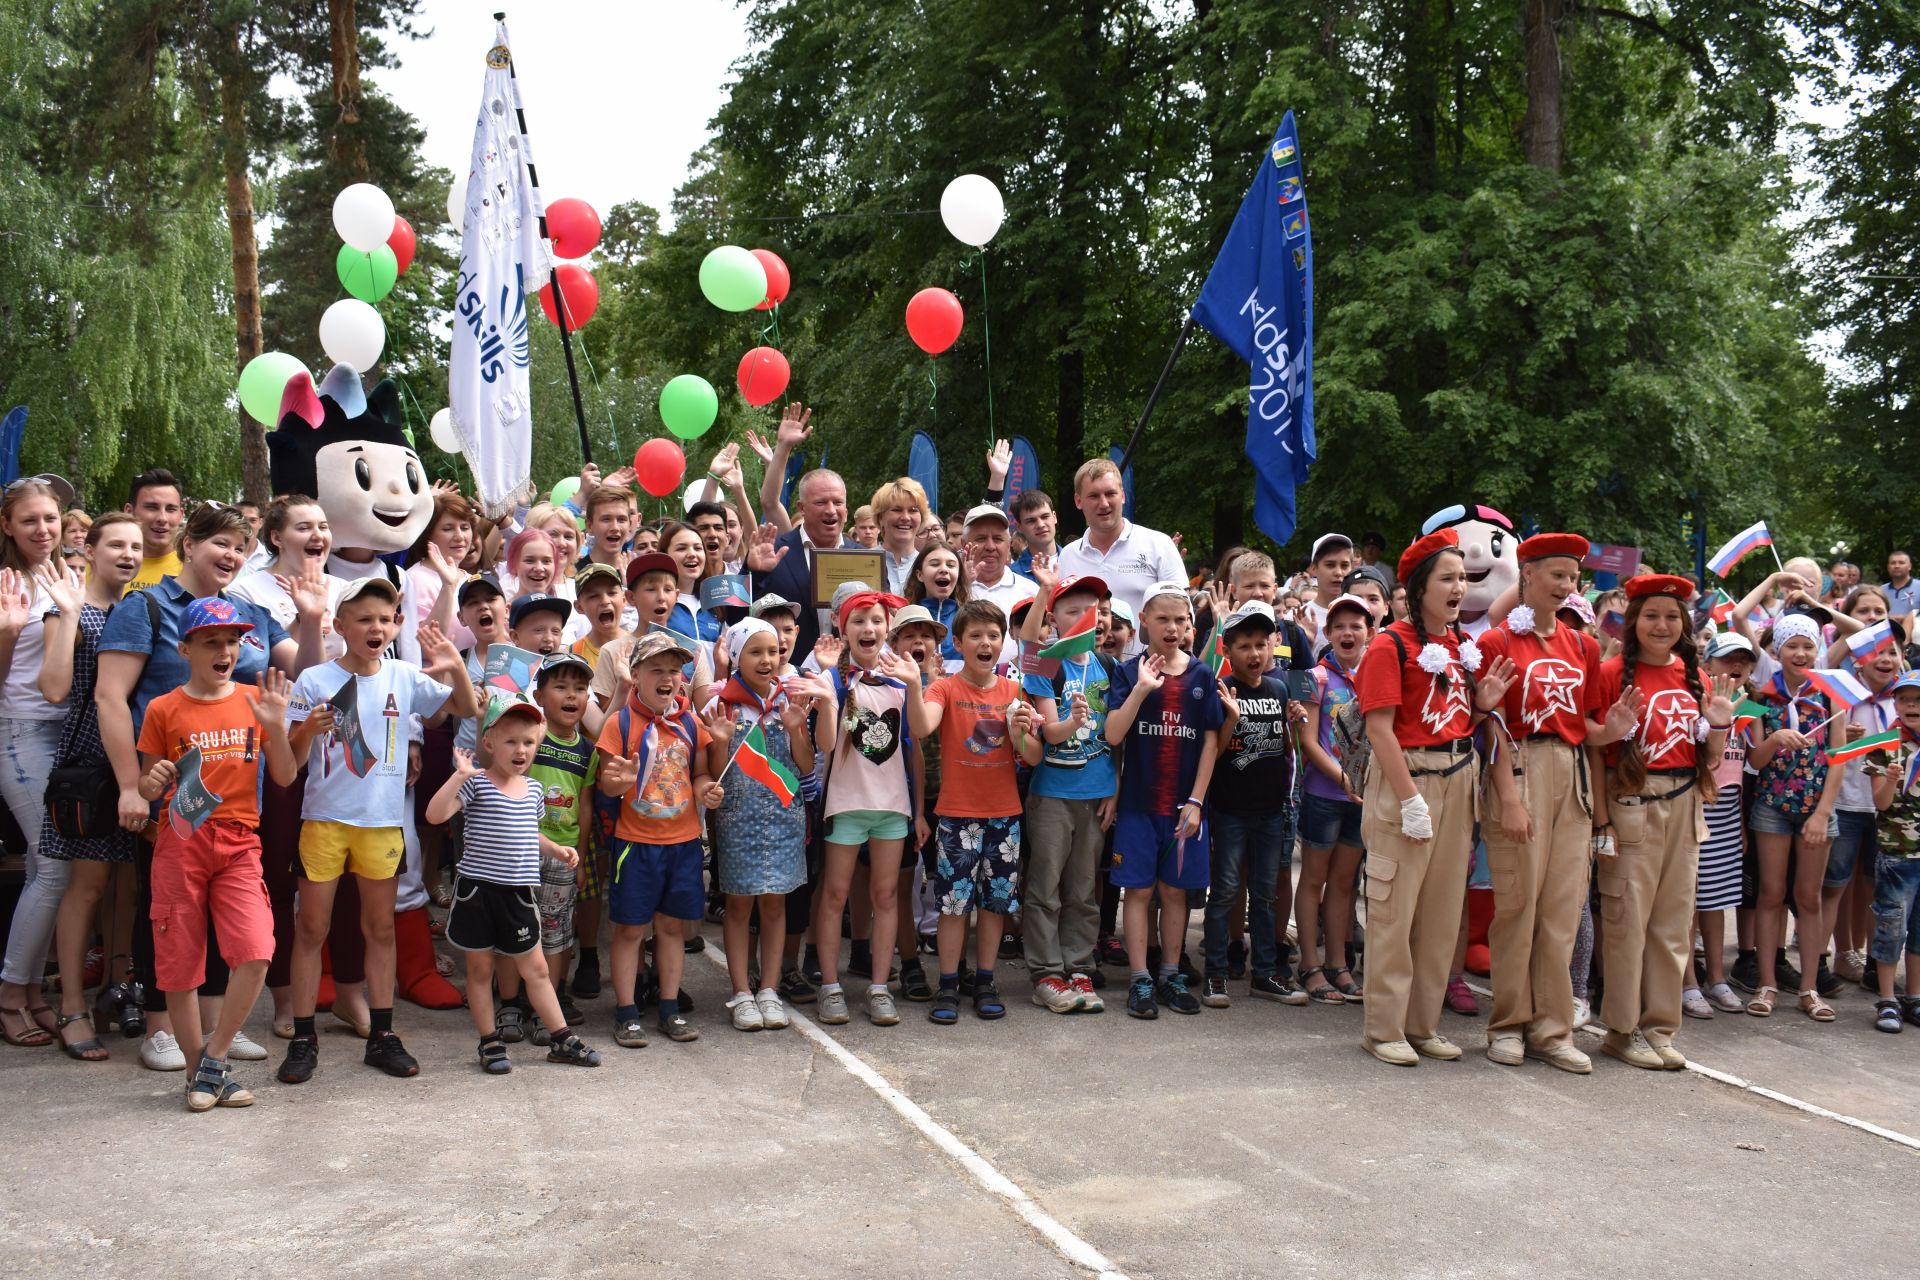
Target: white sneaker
(161, 1052)
(773, 1014)
(746, 1013)
(245, 1050)
(1582, 1013)
(1695, 1005)
(1722, 997)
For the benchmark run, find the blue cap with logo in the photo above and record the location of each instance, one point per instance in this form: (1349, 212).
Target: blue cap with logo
(212, 611)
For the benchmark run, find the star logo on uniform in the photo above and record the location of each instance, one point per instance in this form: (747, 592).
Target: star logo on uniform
(1444, 704)
(1667, 722)
(1551, 686)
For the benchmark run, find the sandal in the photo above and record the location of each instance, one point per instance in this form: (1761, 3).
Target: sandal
(913, 982)
(1887, 1016)
(49, 1024)
(573, 1051)
(1814, 1007)
(945, 1009)
(1350, 989)
(33, 1037)
(986, 1001)
(493, 1056)
(91, 1050)
(1761, 1006)
(1910, 1009)
(1321, 992)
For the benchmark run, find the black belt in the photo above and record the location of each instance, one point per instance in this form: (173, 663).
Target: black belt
(1547, 737)
(1462, 747)
(1692, 780)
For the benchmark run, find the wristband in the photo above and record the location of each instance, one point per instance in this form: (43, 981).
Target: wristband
(1196, 800)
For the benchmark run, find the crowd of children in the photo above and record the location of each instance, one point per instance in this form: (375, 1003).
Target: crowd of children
(1003, 750)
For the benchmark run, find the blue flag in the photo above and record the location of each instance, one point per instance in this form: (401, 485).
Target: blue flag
(13, 430)
(923, 465)
(1258, 299)
(1023, 471)
(1118, 454)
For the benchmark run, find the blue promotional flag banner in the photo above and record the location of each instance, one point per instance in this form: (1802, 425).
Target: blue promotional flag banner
(1258, 299)
(1023, 472)
(923, 467)
(1117, 453)
(502, 260)
(13, 431)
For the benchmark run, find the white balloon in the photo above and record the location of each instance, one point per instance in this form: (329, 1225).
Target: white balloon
(352, 333)
(445, 438)
(363, 215)
(692, 495)
(972, 209)
(457, 201)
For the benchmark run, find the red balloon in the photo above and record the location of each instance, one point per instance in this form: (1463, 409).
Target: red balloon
(573, 227)
(582, 293)
(659, 465)
(934, 319)
(402, 242)
(778, 280)
(763, 375)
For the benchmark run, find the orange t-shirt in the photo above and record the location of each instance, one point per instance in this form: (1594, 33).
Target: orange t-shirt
(977, 778)
(661, 808)
(231, 750)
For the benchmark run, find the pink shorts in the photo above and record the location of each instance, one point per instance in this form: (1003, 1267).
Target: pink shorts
(217, 870)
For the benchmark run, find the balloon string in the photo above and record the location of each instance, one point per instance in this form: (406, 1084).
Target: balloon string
(594, 377)
(986, 340)
(772, 326)
(933, 384)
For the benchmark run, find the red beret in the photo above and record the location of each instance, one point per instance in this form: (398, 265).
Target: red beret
(1659, 584)
(1425, 548)
(1542, 545)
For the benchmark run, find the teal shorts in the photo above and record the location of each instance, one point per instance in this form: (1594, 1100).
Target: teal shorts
(857, 826)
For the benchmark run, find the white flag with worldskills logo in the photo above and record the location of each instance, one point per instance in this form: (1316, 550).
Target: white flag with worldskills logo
(502, 260)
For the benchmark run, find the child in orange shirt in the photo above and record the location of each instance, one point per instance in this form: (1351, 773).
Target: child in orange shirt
(203, 745)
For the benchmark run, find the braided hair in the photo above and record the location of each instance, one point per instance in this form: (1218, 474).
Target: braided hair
(1629, 773)
(1416, 585)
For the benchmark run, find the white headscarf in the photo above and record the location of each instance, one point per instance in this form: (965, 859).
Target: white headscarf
(1794, 626)
(740, 632)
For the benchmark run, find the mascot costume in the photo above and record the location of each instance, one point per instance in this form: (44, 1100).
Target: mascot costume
(1491, 548)
(349, 449)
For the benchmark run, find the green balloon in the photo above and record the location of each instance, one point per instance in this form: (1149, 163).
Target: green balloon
(563, 491)
(367, 276)
(733, 279)
(688, 405)
(263, 382)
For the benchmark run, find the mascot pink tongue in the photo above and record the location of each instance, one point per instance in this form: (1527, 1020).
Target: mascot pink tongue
(1487, 541)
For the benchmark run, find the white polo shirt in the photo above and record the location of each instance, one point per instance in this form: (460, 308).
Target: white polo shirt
(1138, 558)
(1008, 592)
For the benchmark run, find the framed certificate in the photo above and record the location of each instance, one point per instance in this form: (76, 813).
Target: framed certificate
(846, 564)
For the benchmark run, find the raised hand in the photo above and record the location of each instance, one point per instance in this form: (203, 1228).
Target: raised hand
(308, 591)
(999, 462)
(444, 487)
(719, 722)
(794, 430)
(725, 466)
(16, 602)
(1495, 680)
(270, 708)
(1045, 573)
(827, 651)
(65, 587)
(1218, 593)
(762, 553)
(621, 772)
(761, 449)
(451, 574)
(463, 763)
(621, 479)
(1229, 699)
(1719, 708)
(437, 645)
(1624, 714)
(897, 666)
(589, 481)
(1153, 672)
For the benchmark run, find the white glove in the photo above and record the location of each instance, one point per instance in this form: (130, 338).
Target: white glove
(1416, 823)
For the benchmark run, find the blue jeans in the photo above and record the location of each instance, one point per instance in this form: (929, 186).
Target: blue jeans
(1896, 909)
(1265, 842)
(1857, 839)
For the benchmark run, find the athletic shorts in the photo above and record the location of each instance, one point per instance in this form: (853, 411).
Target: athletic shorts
(493, 917)
(656, 879)
(1146, 850)
(857, 826)
(330, 849)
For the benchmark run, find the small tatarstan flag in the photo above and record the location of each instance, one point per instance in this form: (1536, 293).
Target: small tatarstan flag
(757, 762)
(1747, 714)
(1079, 640)
(1885, 740)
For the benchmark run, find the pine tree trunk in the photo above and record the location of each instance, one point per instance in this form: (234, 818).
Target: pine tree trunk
(1541, 129)
(348, 152)
(234, 162)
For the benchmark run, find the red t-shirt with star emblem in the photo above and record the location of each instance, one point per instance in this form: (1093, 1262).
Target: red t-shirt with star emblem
(1553, 686)
(1425, 714)
(1666, 728)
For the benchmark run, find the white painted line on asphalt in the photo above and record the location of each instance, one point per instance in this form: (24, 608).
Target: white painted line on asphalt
(1599, 1028)
(1057, 1234)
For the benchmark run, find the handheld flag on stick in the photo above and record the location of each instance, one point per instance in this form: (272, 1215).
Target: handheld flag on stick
(1078, 640)
(756, 761)
(1865, 644)
(1838, 685)
(1885, 740)
(1747, 714)
(1720, 607)
(1258, 299)
(1751, 538)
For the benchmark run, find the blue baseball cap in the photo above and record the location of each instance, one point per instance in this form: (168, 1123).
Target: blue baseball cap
(1907, 680)
(212, 611)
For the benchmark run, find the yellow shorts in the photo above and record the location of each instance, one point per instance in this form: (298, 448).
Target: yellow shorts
(328, 849)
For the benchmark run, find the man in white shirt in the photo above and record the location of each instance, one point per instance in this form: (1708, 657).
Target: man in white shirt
(1128, 557)
(990, 576)
(1903, 590)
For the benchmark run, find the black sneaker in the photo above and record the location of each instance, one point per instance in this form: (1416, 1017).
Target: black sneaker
(133, 1011)
(795, 989)
(570, 1012)
(1870, 975)
(1140, 999)
(387, 1053)
(1010, 946)
(810, 965)
(1788, 977)
(674, 1026)
(1827, 981)
(1097, 978)
(1745, 973)
(1214, 993)
(1236, 959)
(586, 979)
(696, 944)
(1187, 971)
(303, 1056)
(1699, 970)
(860, 960)
(1172, 992)
(1271, 987)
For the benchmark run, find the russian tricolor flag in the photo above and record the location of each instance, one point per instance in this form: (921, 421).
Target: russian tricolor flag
(1843, 688)
(1736, 549)
(1866, 643)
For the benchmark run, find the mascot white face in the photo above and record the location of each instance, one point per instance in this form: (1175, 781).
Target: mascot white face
(1491, 550)
(375, 495)
(348, 449)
